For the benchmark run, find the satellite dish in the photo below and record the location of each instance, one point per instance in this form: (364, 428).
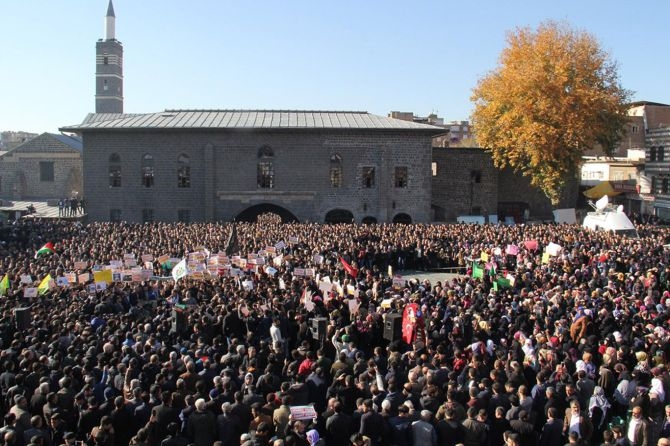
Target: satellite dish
(619, 208)
(602, 203)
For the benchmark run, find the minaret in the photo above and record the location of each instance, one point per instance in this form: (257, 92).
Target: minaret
(109, 68)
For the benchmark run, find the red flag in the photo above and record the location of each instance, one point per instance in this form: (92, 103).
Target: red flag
(353, 272)
(412, 322)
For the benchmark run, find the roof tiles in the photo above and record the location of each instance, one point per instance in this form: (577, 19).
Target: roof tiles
(237, 119)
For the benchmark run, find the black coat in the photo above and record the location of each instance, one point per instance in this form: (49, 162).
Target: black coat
(338, 429)
(552, 433)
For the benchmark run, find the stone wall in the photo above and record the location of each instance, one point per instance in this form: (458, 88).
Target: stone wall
(20, 176)
(466, 183)
(224, 173)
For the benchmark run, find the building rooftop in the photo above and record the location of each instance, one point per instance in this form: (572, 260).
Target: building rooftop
(48, 142)
(247, 119)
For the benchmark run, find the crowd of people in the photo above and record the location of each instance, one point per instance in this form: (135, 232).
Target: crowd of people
(569, 349)
(71, 207)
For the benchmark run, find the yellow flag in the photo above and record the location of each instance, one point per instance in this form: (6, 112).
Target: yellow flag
(103, 276)
(4, 285)
(484, 257)
(44, 285)
(545, 257)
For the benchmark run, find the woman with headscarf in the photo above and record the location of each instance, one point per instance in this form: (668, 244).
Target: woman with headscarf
(314, 439)
(598, 410)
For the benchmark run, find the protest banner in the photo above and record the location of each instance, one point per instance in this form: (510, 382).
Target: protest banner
(303, 412)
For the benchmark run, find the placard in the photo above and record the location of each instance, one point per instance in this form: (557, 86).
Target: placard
(303, 412)
(80, 265)
(147, 258)
(398, 282)
(30, 292)
(26, 279)
(83, 278)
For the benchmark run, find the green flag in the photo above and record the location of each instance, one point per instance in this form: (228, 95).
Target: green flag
(502, 282)
(495, 286)
(4, 285)
(477, 271)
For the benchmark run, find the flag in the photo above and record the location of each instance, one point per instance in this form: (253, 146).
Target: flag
(553, 249)
(233, 245)
(545, 257)
(103, 276)
(44, 285)
(48, 248)
(307, 300)
(4, 285)
(491, 268)
(512, 250)
(477, 271)
(180, 270)
(530, 245)
(353, 272)
(501, 282)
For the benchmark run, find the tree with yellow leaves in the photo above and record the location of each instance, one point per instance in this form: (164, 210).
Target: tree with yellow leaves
(554, 95)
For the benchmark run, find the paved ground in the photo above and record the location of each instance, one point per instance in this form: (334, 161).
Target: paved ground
(430, 275)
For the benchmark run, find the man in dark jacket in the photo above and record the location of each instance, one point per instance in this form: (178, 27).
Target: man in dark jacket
(401, 427)
(165, 414)
(552, 432)
(228, 425)
(201, 427)
(338, 427)
(373, 425)
(525, 429)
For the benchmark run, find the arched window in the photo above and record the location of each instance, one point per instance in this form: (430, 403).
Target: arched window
(148, 171)
(265, 174)
(336, 171)
(114, 170)
(183, 171)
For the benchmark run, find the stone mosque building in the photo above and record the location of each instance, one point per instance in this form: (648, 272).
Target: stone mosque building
(204, 165)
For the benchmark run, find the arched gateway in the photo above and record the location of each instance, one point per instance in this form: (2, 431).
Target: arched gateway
(251, 214)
